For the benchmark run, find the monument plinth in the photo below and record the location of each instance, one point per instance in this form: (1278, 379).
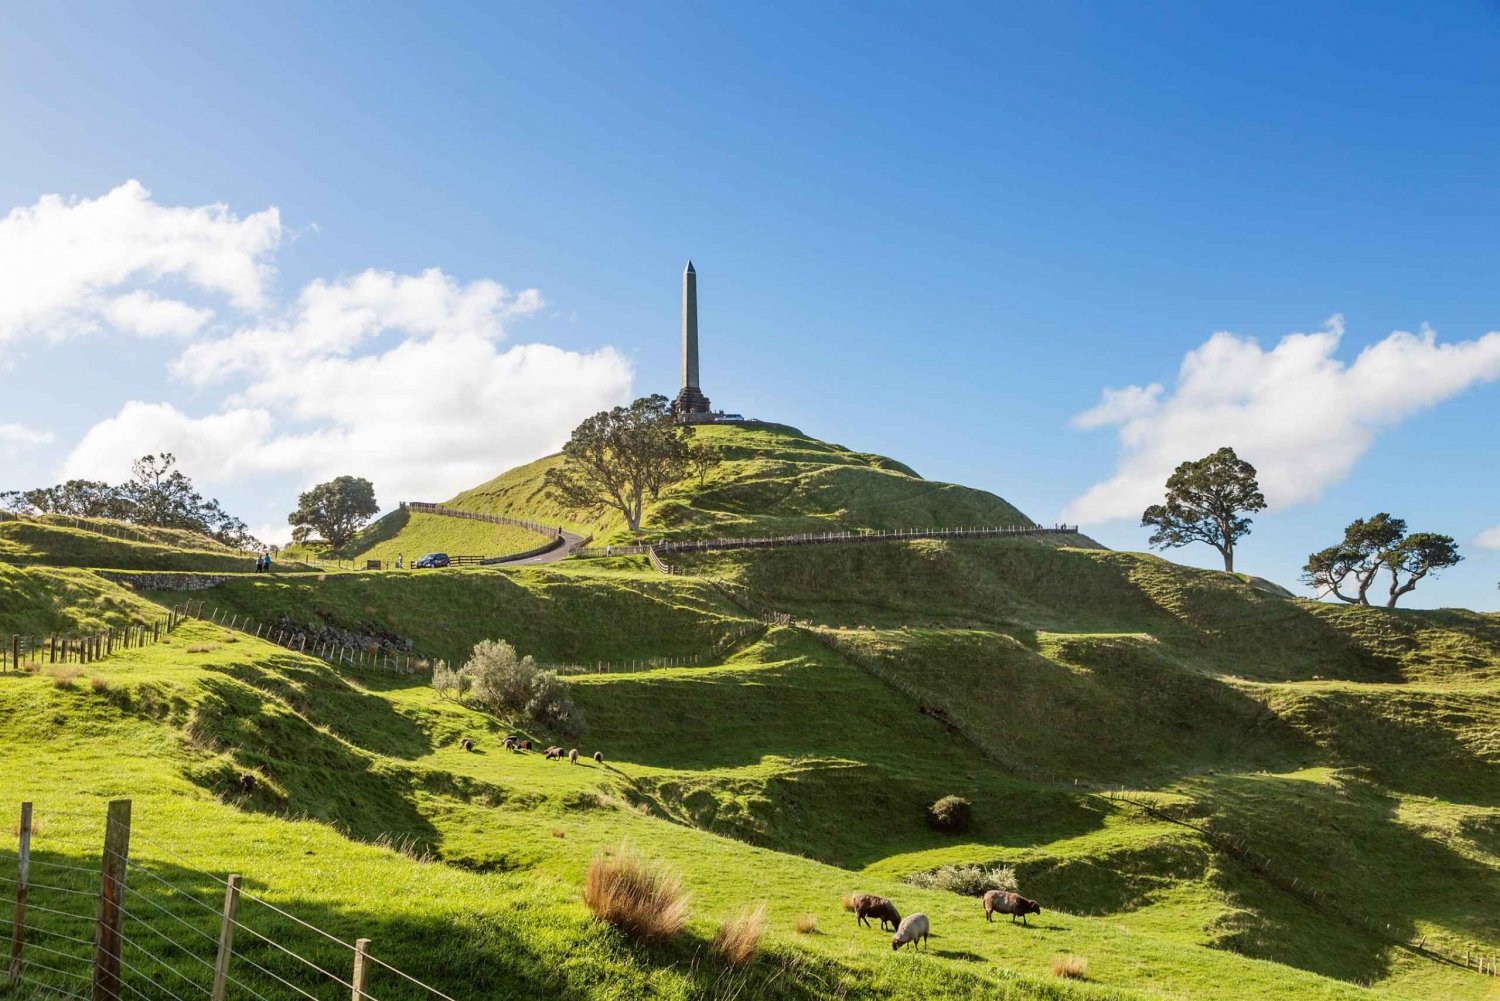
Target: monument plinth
(690, 406)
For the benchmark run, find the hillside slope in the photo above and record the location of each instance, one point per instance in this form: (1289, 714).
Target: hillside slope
(770, 480)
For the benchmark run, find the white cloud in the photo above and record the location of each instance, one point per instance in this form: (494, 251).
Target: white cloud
(333, 319)
(213, 449)
(1302, 416)
(15, 438)
(398, 378)
(142, 312)
(61, 260)
(1489, 539)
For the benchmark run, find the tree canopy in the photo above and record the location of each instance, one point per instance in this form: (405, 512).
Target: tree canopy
(1207, 501)
(617, 458)
(158, 494)
(1372, 545)
(334, 511)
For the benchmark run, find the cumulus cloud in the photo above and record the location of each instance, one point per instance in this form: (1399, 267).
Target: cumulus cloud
(65, 262)
(1489, 539)
(142, 312)
(16, 438)
(1301, 415)
(399, 378)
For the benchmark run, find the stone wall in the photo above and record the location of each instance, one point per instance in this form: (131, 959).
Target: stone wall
(163, 581)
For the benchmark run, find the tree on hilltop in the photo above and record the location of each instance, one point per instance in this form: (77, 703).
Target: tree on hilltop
(1376, 544)
(335, 510)
(1207, 501)
(618, 457)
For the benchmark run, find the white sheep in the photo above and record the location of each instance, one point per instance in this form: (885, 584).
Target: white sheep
(913, 927)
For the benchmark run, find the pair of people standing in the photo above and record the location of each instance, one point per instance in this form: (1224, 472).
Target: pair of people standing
(263, 562)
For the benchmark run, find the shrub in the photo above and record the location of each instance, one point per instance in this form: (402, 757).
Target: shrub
(643, 900)
(807, 924)
(951, 813)
(738, 939)
(445, 679)
(1070, 967)
(501, 682)
(969, 880)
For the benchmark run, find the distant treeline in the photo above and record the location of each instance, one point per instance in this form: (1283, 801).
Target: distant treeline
(157, 495)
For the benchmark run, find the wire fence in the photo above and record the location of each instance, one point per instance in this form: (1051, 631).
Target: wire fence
(655, 549)
(92, 920)
(30, 653)
(726, 643)
(422, 507)
(344, 651)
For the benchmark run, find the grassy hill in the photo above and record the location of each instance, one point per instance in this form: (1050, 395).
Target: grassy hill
(414, 534)
(770, 480)
(99, 543)
(1354, 750)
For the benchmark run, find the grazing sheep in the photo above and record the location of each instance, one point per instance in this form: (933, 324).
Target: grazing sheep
(1004, 902)
(598, 757)
(867, 905)
(247, 782)
(573, 756)
(913, 927)
(524, 745)
(510, 743)
(467, 744)
(554, 754)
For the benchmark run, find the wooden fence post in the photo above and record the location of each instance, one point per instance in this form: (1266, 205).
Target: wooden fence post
(361, 968)
(111, 907)
(18, 922)
(226, 937)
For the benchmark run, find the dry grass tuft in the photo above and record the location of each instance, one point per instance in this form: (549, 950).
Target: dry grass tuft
(1070, 967)
(38, 827)
(558, 832)
(99, 684)
(739, 937)
(848, 902)
(642, 899)
(807, 924)
(63, 677)
(203, 648)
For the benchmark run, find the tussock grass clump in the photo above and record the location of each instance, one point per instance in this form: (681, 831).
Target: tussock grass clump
(1070, 967)
(99, 684)
(807, 924)
(202, 647)
(738, 938)
(951, 813)
(969, 880)
(643, 899)
(63, 677)
(848, 901)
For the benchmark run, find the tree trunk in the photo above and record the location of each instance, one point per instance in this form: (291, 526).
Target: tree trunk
(1228, 559)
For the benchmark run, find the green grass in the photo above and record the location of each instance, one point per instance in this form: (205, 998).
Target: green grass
(413, 535)
(37, 601)
(1355, 747)
(770, 480)
(33, 542)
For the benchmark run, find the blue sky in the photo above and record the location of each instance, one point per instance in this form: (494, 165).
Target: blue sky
(937, 232)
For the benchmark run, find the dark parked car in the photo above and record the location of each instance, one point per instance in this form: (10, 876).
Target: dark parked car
(432, 561)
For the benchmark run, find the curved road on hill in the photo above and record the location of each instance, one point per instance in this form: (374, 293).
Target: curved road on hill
(562, 552)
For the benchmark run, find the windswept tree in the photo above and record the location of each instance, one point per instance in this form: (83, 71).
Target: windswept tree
(618, 458)
(1374, 545)
(334, 511)
(157, 494)
(1207, 501)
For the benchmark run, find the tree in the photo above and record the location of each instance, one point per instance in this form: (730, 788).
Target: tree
(1376, 544)
(617, 457)
(160, 495)
(1207, 501)
(79, 498)
(701, 459)
(334, 510)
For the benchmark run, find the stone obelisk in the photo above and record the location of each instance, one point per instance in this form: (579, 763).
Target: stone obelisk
(690, 400)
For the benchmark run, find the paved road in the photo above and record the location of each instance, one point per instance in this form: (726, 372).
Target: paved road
(562, 552)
